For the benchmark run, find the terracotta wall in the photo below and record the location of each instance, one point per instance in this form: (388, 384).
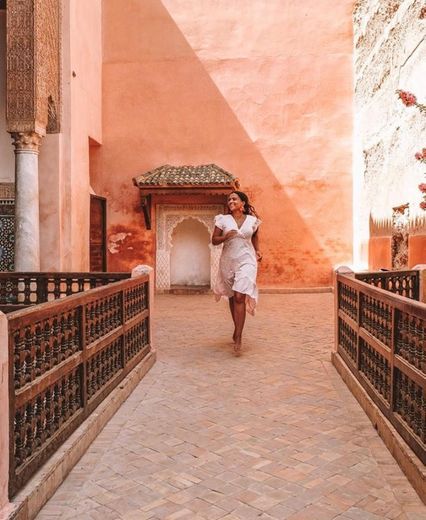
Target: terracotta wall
(265, 92)
(390, 54)
(64, 157)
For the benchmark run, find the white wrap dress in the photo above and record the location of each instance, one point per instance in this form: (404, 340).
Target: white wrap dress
(238, 262)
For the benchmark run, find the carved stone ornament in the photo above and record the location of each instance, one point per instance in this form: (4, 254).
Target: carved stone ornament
(168, 217)
(400, 234)
(26, 141)
(33, 66)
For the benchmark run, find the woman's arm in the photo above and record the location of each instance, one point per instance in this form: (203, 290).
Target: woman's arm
(218, 238)
(255, 242)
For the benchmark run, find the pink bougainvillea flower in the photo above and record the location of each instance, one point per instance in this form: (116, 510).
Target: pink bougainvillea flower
(423, 204)
(407, 98)
(421, 156)
(422, 187)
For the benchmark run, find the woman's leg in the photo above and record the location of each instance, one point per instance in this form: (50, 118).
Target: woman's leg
(231, 307)
(240, 318)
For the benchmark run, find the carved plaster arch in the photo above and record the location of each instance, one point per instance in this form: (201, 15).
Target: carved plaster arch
(206, 222)
(168, 217)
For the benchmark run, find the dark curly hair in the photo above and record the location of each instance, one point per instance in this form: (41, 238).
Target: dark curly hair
(248, 208)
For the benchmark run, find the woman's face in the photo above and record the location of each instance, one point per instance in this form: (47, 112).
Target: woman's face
(235, 203)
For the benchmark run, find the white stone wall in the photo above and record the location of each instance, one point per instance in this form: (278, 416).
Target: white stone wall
(389, 54)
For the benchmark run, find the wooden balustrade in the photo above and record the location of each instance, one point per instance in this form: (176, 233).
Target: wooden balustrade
(404, 283)
(66, 356)
(23, 289)
(381, 337)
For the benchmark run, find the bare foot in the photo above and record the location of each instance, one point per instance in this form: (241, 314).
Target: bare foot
(234, 336)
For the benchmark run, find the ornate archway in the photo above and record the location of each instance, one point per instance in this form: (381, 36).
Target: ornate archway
(168, 217)
(174, 193)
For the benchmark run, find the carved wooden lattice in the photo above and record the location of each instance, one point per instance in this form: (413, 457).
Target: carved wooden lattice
(376, 318)
(43, 415)
(35, 288)
(102, 316)
(348, 340)
(103, 366)
(40, 346)
(33, 79)
(404, 283)
(348, 300)
(7, 233)
(66, 356)
(376, 369)
(381, 336)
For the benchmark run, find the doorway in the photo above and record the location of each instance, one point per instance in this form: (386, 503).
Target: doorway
(97, 234)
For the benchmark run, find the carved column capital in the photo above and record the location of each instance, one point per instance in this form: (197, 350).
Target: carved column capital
(26, 142)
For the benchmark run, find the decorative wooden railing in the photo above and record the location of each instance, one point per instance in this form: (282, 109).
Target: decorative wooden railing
(66, 357)
(34, 288)
(381, 337)
(404, 283)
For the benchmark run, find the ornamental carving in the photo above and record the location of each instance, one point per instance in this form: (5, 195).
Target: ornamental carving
(33, 66)
(400, 233)
(26, 141)
(168, 217)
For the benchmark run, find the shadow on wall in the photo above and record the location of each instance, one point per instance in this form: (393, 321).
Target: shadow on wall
(159, 98)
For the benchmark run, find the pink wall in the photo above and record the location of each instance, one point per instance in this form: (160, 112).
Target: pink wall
(265, 92)
(416, 250)
(64, 158)
(380, 253)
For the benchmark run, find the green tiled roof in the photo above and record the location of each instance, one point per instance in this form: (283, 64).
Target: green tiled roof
(167, 175)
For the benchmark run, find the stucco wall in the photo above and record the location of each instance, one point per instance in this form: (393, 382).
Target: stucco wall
(389, 54)
(265, 92)
(7, 160)
(64, 158)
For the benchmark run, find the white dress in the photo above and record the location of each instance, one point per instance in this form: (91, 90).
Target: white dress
(238, 262)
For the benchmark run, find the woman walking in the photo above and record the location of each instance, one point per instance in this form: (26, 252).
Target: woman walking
(238, 232)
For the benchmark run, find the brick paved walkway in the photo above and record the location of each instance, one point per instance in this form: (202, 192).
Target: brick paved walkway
(273, 434)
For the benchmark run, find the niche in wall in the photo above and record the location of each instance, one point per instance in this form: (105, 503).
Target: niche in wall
(190, 254)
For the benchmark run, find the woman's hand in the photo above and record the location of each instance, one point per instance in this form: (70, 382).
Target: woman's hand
(259, 256)
(219, 238)
(230, 234)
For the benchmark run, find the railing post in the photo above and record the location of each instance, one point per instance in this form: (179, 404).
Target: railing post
(138, 271)
(343, 269)
(4, 413)
(422, 285)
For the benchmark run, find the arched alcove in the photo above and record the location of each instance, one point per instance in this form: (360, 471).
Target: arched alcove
(168, 216)
(190, 254)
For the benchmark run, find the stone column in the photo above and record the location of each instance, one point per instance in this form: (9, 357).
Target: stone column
(27, 233)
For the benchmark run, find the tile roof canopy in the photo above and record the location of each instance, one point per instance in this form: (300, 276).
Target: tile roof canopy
(202, 175)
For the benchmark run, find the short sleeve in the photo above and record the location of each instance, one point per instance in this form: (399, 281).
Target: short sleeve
(219, 221)
(256, 224)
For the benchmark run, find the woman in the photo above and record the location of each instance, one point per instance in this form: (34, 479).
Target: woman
(236, 280)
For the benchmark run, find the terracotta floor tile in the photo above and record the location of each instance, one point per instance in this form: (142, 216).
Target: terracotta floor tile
(274, 434)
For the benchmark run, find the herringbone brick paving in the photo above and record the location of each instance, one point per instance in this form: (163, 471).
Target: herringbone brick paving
(274, 434)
